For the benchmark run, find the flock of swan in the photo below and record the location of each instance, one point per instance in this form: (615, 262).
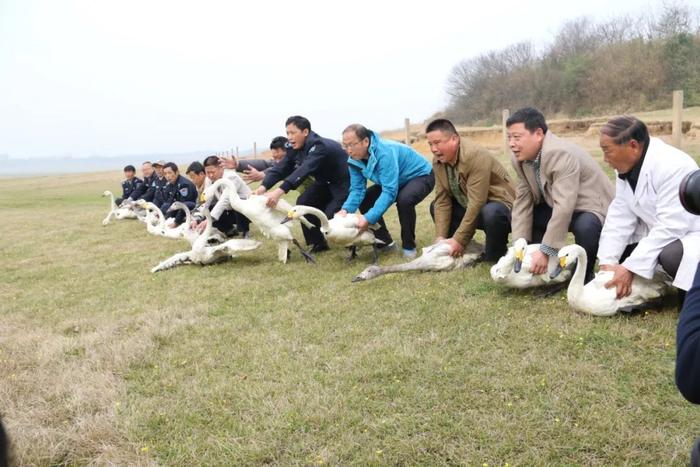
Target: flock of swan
(512, 270)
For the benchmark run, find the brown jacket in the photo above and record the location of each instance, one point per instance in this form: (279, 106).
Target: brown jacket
(571, 181)
(481, 178)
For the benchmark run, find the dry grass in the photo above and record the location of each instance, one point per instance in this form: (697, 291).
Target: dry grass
(252, 362)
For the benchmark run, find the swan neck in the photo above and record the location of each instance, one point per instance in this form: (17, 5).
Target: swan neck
(576, 284)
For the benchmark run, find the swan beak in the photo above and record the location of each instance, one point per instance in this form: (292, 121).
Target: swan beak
(560, 267)
(358, 278)
(518, 265)
(287, 219)
(556, 271)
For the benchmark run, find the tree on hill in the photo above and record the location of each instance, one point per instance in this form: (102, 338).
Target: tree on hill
(627, 63)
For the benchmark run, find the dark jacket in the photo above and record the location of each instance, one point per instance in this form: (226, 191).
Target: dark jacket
(130, 186)
(321, 158)
(182, 190)
(155, 192)
(141, 190)
(688, 344)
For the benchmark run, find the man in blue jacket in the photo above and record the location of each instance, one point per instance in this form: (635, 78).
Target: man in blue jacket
(399, 175)
(310, 157)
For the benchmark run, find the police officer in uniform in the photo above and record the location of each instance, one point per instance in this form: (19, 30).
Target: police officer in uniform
(310, 156)
(178, 188)
(148, 176)
(129, 185)
(155, 191)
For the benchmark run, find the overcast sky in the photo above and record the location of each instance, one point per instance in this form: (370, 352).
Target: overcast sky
(107, 78)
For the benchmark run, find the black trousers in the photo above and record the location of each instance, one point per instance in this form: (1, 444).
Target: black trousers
(584, 225)
(494, 220)
(229, 219)
(670, 257)
(408, 197)
(329, 198)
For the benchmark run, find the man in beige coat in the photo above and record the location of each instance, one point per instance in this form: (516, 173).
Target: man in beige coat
(561, 189)
(472, 191)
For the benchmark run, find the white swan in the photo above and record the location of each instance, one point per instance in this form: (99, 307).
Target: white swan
(435, 257)
(593, 298)
(340, 230)
(155, 220)
(115, 211)
(268, 220)
(513, 269)
(204, 253)
(185, 230)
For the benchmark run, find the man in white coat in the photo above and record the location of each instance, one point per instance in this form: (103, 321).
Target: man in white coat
(646, 224)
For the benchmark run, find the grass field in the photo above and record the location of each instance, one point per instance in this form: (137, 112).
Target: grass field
(253, 362)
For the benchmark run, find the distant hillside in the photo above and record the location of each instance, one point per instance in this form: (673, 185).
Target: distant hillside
(55, 165)
(629, 62)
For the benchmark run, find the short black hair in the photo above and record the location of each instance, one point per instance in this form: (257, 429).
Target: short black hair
(129, 168)
(530, 117)
(146, 162)
(626, 128)
(172, 166)
(195, 167)
(211, 161)
(443, 125)
(299, 122)
(278, 142)
(360, 131)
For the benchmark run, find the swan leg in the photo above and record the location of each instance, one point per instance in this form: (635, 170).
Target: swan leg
(283, 252)
(304, 253)
(551, 290)
(375, 254)
(353, 253)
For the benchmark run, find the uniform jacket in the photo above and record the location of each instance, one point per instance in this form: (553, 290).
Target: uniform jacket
(481, 179)
(321, 158)
(183, 190)
(155, 192)
(571, 180)
(390, 165)
(652, 214)
(130, 186)
(140, 191)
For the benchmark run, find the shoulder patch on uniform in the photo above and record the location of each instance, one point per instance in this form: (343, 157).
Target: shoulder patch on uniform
(184, 191)
(313, 148)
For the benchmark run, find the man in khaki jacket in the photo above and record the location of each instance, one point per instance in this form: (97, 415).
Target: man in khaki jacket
(472, 191)
(561, 189)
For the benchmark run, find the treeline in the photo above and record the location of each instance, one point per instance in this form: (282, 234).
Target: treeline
(629, 63)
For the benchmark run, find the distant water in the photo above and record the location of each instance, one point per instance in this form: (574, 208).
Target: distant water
(10, 167)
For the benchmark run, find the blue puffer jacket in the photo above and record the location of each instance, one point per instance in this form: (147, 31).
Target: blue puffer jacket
(390, 165)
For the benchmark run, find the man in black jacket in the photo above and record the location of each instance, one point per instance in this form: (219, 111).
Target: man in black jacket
(129, 185)
(156, 192)
(310, 156)
(180, 189)
(148, 176)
